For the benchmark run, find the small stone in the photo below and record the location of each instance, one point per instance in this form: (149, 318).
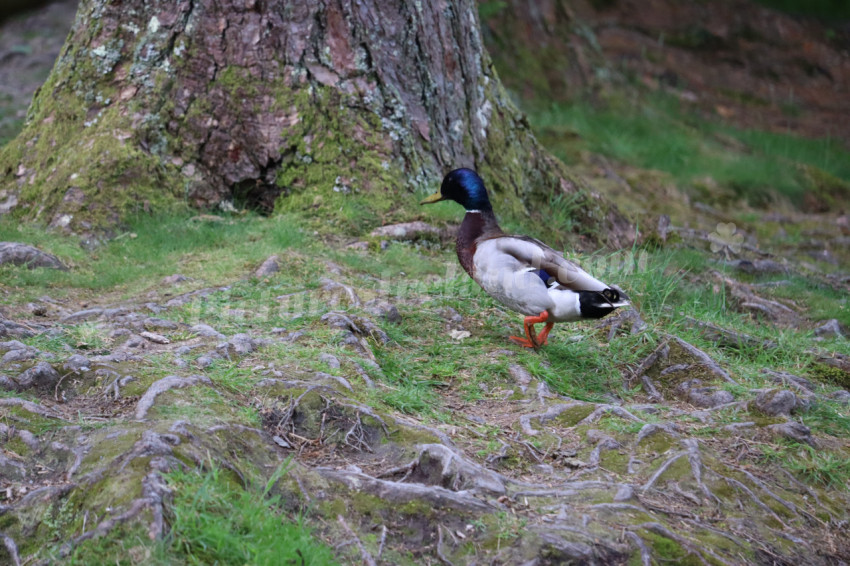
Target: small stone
(12, 345)
(460, 334)
(77, 364)
(13, 356)
(341, 380)
(40, 375)
(242, 344)
(116, 313)
(154, 308)
(9, 328)
(174, 279)
(785, 378)
(520, 375)
(134, 341)
(450, 314)
(841, 396)
(407, 231)
(701, 396)
(624, 493)
(85, 314)
(335, 293)
(384, 309)
(830, 329)
(28, 256)
(204, 361)
(206, 331)
(795, 431)
(183, 350)
(776, 402)
(268, 267)
(329, 359)
(155, 338)
(292, 336)
(37, 309)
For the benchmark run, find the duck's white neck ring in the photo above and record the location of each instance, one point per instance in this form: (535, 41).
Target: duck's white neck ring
(473, 211)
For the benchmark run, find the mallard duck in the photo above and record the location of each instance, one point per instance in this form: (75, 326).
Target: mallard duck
(522, 273)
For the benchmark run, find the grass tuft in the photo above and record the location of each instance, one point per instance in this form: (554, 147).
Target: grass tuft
(214, 521)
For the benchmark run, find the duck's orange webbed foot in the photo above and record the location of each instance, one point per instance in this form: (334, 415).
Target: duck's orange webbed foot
(530, 340)
(543, 337)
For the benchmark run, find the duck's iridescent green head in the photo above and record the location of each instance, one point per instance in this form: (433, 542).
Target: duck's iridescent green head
(463, 186)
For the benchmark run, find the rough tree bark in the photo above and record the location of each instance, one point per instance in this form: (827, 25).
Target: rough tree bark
(287, 105)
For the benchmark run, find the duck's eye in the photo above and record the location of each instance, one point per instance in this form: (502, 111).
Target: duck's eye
(611, 295)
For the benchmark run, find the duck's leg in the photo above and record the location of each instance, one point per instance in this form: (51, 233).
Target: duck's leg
(531, 341)
(543, 337)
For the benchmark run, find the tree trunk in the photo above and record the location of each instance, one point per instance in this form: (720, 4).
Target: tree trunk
(329, 106)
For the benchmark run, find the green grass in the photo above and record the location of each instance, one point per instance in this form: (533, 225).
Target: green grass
(818, 467)
(213, 520)
(659, 133)
(150, 248)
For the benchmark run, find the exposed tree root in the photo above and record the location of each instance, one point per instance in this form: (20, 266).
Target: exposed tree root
(650, 389)
(661, 469)
(568, 489)
(729, 338)
(34, 408)
(645, 554)
(11, 549)
(455, 471)
(367, 558)
(161, 386)
(761, 485)
(384, 531)
(440, 553)
(614, 323)
(660, 351)
(396, 492)
(748, 300)
(355, 437)
(136, 507)
(613, 409)
(706, 360)
(547, 415)
(695, 460)
(693, 549)
(410, 423)
(735, 483)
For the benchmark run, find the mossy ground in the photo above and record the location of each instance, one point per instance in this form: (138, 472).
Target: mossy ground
(462, 384)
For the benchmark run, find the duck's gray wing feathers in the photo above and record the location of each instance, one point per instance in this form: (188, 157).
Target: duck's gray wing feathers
(537, 255)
